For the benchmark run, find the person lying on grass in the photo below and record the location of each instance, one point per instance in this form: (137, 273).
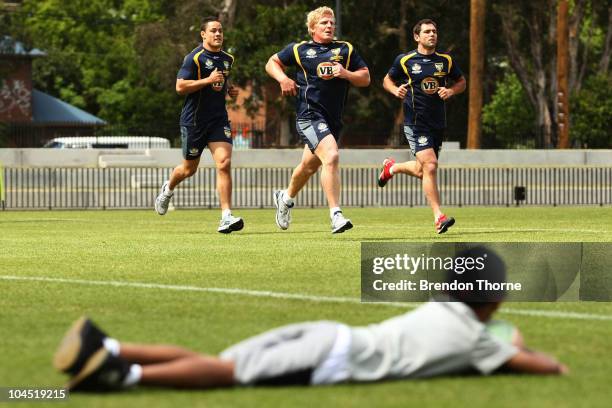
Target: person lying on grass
(437, 338)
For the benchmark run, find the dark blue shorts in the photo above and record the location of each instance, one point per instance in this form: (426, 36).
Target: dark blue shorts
(422, 138)
(195, 138)
(313, 131)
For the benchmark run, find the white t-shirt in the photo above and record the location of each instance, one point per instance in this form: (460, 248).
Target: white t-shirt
(435, 339)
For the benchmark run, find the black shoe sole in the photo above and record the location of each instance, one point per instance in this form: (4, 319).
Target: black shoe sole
(445, 226)
(345, 227)
(93, 364)
(234, 227)
(103, 372)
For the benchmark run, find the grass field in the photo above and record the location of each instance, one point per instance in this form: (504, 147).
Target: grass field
(106, 263)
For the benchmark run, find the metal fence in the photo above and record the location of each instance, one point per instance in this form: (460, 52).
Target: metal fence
(105, 188)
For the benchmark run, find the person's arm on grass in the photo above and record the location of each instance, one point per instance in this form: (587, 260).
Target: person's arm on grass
(533, 362)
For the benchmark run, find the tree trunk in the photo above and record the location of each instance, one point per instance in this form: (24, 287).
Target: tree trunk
(562, 76)
(477, 35)
(543, 121)
(228, 13)
(534, 69)
(574, 44)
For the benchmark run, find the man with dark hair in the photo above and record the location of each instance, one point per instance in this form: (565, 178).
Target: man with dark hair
(325, 69)
(204, 122)
(420, 79)
(438, 338)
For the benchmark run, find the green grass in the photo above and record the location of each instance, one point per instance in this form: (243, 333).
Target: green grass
(183, 248)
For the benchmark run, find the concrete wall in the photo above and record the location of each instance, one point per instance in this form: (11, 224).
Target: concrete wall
(290, 157)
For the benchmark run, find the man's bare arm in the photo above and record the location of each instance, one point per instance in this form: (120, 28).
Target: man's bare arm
(532, 362)
(359, 78)
(276, 69)
(187, 86)
(397, 91)
(457, 88)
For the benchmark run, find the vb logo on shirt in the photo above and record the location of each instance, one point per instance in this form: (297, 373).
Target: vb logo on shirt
(325, 70)
(429, 85)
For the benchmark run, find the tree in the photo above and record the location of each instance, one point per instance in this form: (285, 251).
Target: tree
(92, 61)
(507, 118)
(528, 31)
(591, 108)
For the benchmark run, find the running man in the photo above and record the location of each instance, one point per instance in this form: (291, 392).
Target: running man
(421, 79)
(325, 68)
(438, 338)
(204, 122)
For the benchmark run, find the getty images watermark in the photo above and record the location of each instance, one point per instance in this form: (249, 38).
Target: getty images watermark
(531, 271)
(459, 265)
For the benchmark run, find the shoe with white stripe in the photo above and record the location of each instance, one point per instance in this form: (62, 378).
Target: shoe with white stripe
(229, 224)
(283, 211)
(163, 200)
(340, 224)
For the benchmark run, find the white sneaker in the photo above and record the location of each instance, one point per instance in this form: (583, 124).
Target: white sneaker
(340, 224)
(283, 211)
(229, 224)
(163, 200)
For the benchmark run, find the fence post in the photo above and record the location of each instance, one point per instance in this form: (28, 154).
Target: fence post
(2, 194)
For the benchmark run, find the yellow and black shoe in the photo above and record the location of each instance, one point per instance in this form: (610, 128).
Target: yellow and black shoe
(102, 372)
(82, 340)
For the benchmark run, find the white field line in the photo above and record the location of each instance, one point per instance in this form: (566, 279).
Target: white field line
(484, 229)
(291, 296)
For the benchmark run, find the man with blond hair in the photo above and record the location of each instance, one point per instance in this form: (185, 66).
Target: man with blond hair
(420, 78)
(325, 68)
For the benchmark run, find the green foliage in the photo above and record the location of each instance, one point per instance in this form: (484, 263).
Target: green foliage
(590, 113)
(508, 118)
(259, 35)
(92, 60)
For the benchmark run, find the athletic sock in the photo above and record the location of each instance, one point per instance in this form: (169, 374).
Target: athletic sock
(391, 170)
(333, 211)
(226, 213)
(286, 199)
(112, 345)
(167, 190)
(133, 376)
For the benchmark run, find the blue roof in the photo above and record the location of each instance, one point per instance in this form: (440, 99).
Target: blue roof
(47, 109)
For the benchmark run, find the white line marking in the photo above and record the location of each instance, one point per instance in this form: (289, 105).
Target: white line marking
(542, 230)
(291, 296)
(482, 229)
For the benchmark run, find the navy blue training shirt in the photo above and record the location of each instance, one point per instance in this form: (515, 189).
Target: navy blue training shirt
(319, 93)
(424, 74)
(209, 102)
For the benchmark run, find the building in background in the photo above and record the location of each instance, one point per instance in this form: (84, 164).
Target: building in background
(29, 117)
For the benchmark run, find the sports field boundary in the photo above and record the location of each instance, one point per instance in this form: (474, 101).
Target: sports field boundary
(289, 296)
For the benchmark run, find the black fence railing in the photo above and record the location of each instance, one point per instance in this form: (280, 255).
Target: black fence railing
(105, 188)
